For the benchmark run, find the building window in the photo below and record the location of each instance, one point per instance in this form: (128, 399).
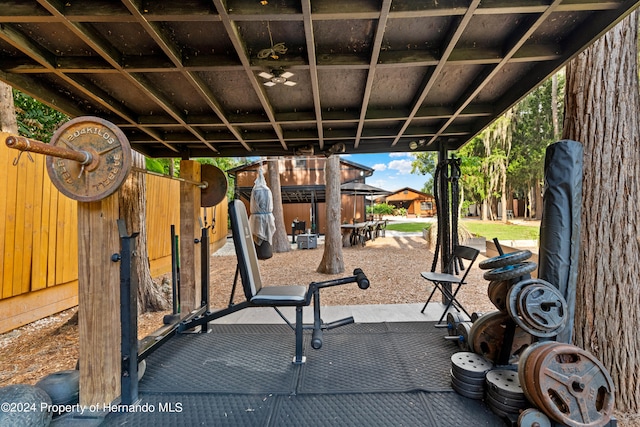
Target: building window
(301, 163)
(426, 206)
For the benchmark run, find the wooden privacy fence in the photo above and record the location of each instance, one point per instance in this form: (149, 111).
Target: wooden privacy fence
(39, 238)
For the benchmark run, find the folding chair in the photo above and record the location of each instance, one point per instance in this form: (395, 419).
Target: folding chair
(441, 280)
(277, 296)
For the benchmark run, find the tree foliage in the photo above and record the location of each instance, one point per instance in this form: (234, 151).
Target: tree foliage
(35, 119)
(506, 160)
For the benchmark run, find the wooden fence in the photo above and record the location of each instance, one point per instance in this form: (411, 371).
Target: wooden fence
(39, 238)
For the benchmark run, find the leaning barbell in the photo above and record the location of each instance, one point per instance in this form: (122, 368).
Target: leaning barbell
(89, 159)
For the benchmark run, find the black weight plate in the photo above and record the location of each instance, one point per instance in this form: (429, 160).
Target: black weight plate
(544, 307)
(477, 382)
(452, 323)
(515, 300)
(471, 388)
(63, 387)
(532, 417)
(465, 393)
(494, 404)
(505, 383)
(510, 271)
(517, 403)
(476, 315)
(217, 184)
(463, 333)
(470, 364)
(505, 259)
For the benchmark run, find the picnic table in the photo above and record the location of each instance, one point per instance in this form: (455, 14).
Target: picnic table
(360, 232)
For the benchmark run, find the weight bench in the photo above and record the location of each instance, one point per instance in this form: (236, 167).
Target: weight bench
(258, 295)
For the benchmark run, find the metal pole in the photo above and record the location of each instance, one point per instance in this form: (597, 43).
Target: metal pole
(128, 315)
(443, 216)
(204, 272)
(25, 144)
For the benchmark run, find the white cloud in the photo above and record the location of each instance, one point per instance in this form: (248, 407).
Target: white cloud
(379, 167)
(402, 166)
(400, 154)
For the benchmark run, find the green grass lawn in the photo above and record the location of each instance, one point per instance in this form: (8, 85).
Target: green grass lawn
(502, 231)
(407, 227)
(483, 229)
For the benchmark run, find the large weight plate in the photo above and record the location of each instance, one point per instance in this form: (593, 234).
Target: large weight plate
(487, 336)
(510, 271)
(537, 307)
(575, 388)
(497, 292)
(544, 307)
(522, 367)
(217, 185)
(111, 163)
(531, 380)
(505, 259)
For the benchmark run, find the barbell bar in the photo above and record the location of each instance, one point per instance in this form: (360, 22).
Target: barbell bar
(89, 158)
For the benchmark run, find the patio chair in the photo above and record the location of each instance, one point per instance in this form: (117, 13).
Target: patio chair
(278, 296)
(442, 281)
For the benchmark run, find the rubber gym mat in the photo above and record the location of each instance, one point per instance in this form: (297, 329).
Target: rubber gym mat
(189, 410)
(224, 363)
(408, 356)
(323, 410)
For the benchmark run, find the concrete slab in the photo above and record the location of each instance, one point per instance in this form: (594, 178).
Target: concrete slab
(361, 313)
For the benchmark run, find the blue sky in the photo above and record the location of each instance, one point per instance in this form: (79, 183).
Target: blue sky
(392, 170)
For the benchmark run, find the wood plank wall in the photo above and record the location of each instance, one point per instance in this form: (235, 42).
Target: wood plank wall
(39, 238)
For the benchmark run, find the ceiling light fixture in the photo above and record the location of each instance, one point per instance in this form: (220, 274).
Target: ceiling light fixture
(277, 76)
(414, 145)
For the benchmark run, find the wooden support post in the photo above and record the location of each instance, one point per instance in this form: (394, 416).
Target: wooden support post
(99, 301)
(190, 261)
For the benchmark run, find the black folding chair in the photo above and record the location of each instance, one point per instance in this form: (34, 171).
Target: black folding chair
(444, 281)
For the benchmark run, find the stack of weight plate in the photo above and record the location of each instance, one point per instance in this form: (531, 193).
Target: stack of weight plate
(468, 372)
(504, 395)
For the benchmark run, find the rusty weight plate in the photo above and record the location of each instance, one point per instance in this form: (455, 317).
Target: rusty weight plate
(111, 159)
(531, 379)
(497, 291)
(217, 185)
(523, 368)
(575, 388)
(487, 336)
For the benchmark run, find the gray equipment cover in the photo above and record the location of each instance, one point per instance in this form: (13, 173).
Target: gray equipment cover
(560, 225)
(261, 221)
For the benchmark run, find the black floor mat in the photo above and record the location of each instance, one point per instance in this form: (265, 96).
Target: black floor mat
(238, 361)
(365, 374)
